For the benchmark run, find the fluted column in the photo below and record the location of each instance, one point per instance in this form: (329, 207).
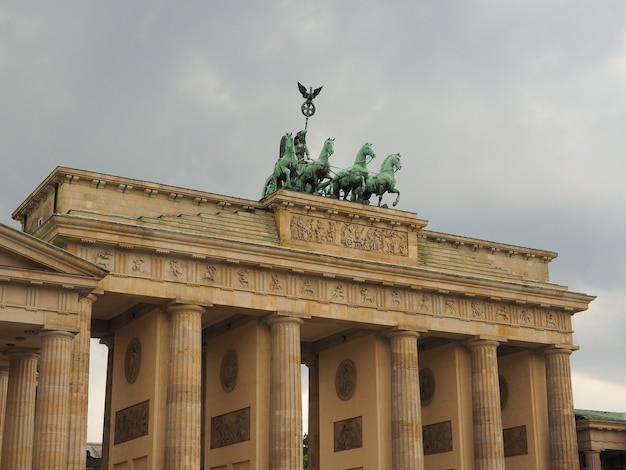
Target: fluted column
(79, 386)
(4, 383)
(314, 411)
(592, 460)
(52, 416)
(184, 413)
(561, 421)
(17, 446)
(488, 440)
(407, 451)
(285, 394)
(109, 342)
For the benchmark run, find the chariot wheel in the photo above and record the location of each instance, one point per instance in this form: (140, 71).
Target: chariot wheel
(270, 186)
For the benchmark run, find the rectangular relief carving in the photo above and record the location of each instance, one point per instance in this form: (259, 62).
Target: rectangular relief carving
(437, 438)
(349, 235)
(132, 422)
(515, 441)
(348, 434)
(230, 428)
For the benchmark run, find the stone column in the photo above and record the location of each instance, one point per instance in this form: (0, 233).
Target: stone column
(285, 394)
(407, 452)
(52, 416)
(592, 460)
(79, 386)
(109, 342)
(487, 418)
(17, 446)
(561, 421)
(314, 411)
(4, 383)
(184, 410)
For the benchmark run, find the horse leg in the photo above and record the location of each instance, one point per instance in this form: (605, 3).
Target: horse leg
(396, 191)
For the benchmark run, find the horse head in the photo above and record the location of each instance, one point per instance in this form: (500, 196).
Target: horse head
(391, 163)
(329, 146)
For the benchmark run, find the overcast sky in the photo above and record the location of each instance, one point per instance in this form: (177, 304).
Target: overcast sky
(509, 117)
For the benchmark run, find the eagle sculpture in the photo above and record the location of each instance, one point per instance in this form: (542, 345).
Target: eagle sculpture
(310, 93)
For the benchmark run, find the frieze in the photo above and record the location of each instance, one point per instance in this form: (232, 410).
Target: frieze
(132, 422)
(351, 292)
(349, 235)
(230, 428)
(348, 434)
(437, 438)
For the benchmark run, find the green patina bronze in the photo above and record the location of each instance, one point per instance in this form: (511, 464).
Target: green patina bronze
(295, 170)
(383, 182)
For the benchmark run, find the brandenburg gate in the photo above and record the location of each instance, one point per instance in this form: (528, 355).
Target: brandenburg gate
(424, 350)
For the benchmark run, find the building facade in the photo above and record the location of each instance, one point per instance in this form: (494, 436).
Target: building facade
(424, 349)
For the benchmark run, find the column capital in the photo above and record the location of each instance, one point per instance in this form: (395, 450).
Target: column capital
(22, 354)
(480, 341)
(558, 349)
(401, 332)
(57, 333)
(176, 308)
(283, 318)
(89, 297)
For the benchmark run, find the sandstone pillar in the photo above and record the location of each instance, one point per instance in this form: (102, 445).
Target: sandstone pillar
(314, 411)
(109, 342)
(407, 451)
(561, 421)
(487, 418)
(184, 410)
(79, 386)
(285, 394)
(17, 446)
(4, 383)
(52, 417)
(592, 460)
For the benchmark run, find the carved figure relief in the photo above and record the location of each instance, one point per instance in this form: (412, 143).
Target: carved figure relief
(132, 361)
(515, 441)
(526, 316)
(425, 303)
(210, 272)
(477, 309)
(450, 307)
(502, 313)
(427, 386)
(396, 297)
(243, 277)
(104, 259)
(345, 379)
(139, 266)
(437, 438)
(230, 428)
(366, 296)
(132, 422)
(348, 434)
(307, 287)
(276, 284)
(350, 235)
(176, 268)
(550, 320)
(338, 292)
(229, 370)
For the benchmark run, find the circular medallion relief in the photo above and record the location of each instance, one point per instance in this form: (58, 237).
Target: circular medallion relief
(229, 370)
(427, 386)
(345, 379)
(132, 362)
(504, 391)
